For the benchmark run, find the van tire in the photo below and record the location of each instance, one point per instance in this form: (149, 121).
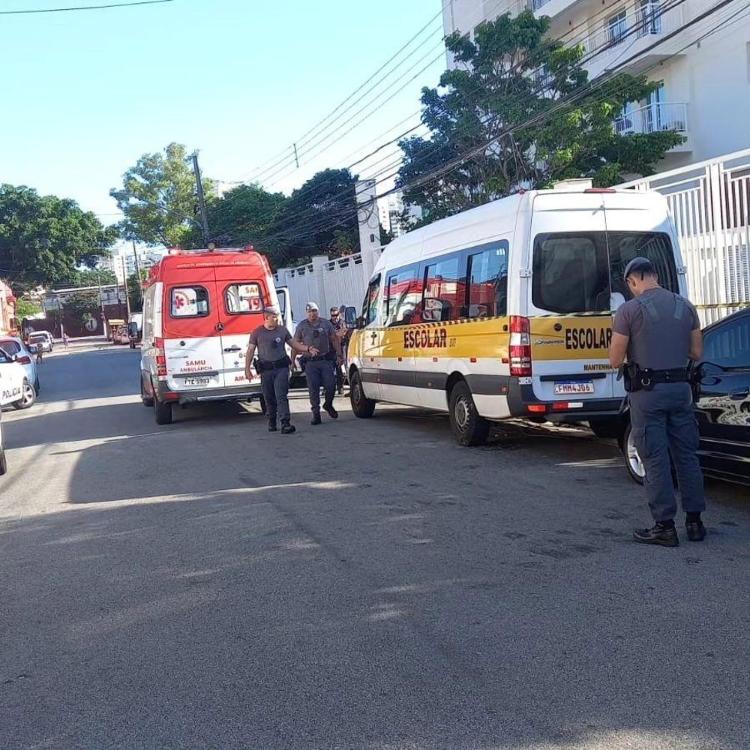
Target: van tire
(467, 426)
(162, 412)
(632, 461)
(362, 406)
(145, 400)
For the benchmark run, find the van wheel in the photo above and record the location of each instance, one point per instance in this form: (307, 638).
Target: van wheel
(162, 412)
(467, 426)
(633, 462)
(145, 400)
(28, 397)
(362, 406)
(3, 463)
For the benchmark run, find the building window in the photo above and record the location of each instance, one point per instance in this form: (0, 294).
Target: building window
(617, 27)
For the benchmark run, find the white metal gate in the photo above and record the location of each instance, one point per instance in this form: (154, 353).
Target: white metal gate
(710, 205)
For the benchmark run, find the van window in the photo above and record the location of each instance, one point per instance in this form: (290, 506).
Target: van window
(404, 295)
(243, 298)
(488, 282)
(577, 272)
(370, 306)
(444, 290)
(189, 302)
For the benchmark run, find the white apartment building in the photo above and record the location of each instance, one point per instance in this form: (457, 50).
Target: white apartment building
(704, 90)
(391, 210)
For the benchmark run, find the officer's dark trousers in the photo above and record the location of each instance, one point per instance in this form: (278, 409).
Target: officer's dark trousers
(320, 373)
(663, 423)
(275, 384)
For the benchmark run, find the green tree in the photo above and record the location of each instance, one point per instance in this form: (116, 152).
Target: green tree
(43, 239)
(159, 199)
(93, 277)
(135, 291)
(242, 216)
(26, 308)
(528, 98)
(318, 218)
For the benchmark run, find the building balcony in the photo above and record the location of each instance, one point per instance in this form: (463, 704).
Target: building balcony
(631, 34)
(656, 117)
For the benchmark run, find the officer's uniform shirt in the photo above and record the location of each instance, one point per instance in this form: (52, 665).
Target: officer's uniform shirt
(659, 327)
(318, 335)
(270, 343)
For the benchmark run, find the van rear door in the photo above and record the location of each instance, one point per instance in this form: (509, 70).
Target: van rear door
(580, 245)
(241, 302)
(192, 343)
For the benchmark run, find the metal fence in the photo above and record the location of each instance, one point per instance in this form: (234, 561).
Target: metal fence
(710, 204)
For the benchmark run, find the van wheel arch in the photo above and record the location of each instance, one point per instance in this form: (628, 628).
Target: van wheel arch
(468, 427)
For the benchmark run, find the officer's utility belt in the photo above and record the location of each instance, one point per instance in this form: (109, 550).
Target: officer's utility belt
(637, 379)
(262, 365)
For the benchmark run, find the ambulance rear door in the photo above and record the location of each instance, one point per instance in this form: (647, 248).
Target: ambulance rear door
(192, 344)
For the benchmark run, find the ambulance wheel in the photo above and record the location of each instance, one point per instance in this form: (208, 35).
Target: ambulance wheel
(633, 462)
(467, 426)
(162, 412)
(3, 462)
(145, 400)
(362, 406)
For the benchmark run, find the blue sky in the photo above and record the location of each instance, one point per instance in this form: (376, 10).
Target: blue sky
(84, 94)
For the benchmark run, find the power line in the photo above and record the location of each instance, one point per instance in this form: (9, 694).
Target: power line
(83, 7)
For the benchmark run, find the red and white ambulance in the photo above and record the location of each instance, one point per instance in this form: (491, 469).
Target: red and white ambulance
(199, 307)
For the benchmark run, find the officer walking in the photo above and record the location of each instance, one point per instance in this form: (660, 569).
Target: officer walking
(659, 332)
(270, 341)
(318, 338)
(337, 321)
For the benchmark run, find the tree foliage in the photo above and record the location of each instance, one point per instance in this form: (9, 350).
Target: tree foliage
(93, 277)
(159, 199)
(43, 239)
(522, 106)
(26, 308)
(135, 291)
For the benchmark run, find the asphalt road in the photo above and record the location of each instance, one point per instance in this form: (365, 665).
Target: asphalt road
(362, 584)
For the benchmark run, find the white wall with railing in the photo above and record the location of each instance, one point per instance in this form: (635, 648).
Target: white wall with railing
(651, 118)
(329, 283)
(710, 205)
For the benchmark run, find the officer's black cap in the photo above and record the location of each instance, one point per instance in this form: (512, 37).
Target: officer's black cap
(640, 265)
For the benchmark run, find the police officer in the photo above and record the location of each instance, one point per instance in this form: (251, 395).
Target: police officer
(319, 340)
(270, 341)
(659, 332)
(337, 321)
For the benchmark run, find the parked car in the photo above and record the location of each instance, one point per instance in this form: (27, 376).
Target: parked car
(722, 404)
(15, 388)
(14, 347)
(135, 329)
(41, 337)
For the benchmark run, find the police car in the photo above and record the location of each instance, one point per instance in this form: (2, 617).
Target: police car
(15, 387)
(722, 404)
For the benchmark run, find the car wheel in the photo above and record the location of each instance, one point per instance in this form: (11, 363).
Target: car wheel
(362, 406)
(162, 412)
(467, 426)
(28, 398)
(145, 400)
(633, 462)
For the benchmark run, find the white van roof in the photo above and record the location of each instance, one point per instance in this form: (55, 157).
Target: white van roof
(495, 219)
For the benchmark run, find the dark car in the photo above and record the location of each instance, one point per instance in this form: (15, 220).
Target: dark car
(722, 403)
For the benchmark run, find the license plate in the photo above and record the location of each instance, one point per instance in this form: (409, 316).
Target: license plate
(197, 381)
(578, 386)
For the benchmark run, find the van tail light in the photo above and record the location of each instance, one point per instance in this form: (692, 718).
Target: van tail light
(161, 358)
(520, 347)
(24, 360)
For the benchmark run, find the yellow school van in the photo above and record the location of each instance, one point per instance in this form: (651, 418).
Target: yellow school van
(505, 311)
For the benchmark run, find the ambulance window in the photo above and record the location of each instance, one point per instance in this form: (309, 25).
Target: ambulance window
(370, 307)
(189, 302)
(244, 298)
(444, 293)
(570, 273)
(404, 296)
(488, 282)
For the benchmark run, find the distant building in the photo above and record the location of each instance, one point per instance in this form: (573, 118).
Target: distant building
(122, 262)
(391, 211)
(8, 320)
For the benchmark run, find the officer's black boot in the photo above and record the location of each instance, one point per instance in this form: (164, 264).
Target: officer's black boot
(287, 428)
(663, 534)
(316, 417)
(272, 424)
(696, 531)
(332, 413)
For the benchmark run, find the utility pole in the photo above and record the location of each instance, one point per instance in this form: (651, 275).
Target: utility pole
(125, 284)
(296, 158)
(137, 273)
(201, 199)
